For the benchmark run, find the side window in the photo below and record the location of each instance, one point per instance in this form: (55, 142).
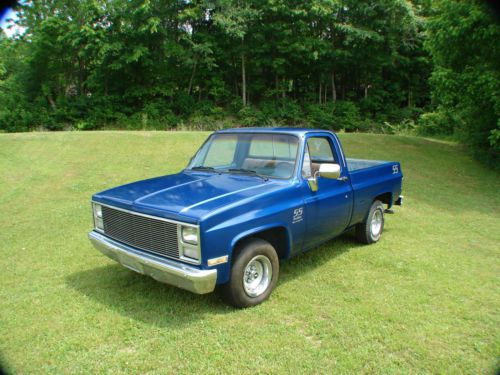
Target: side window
(317, 151)
(320, 150)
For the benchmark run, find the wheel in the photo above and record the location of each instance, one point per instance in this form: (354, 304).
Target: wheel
(370, 230)
(254, 274)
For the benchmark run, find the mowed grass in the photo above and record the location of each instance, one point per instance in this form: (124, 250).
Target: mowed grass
(425, 299)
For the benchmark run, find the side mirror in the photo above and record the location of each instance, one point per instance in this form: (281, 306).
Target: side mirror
(326, 170)
(331, 171)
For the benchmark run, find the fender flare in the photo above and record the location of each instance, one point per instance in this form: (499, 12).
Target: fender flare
(259, 229)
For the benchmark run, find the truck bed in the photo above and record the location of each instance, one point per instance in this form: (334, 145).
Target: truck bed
(357, 164)
(369, 179)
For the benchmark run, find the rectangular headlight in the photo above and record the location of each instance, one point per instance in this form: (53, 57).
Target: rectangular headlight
(97, 210)
(190, 252)
(189, 235)
(189, 243)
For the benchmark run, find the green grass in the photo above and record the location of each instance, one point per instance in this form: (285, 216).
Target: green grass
(425, 299)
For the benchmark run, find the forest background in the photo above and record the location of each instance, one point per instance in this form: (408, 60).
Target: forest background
(418, 67)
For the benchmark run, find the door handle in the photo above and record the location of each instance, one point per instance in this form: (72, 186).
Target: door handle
(343, 178)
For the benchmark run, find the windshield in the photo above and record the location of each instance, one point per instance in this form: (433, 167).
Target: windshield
(268, 155)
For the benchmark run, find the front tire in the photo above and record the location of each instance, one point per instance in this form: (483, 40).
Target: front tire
(370, 230)
(254, 274)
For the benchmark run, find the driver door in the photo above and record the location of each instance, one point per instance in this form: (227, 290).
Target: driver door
(328, 210)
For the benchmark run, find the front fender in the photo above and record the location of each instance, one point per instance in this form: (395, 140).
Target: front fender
(260, 229)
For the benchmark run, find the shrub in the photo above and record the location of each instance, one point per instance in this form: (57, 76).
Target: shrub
(346, 116)
(437, 123)
(406, 126)
(183, 104)
(251, 116)
(283, 110)
(206, 123)
(321, 116)
(494, 138)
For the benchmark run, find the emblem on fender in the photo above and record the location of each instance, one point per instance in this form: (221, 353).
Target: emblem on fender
(297, 215)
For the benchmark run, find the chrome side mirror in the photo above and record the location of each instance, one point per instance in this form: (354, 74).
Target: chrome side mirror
(331, 171)
(326, 170)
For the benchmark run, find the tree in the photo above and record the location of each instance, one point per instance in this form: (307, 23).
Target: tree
(340, 64)
(463, 41)
(235, 18)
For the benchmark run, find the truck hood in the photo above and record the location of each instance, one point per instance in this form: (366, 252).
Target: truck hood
(186, 196)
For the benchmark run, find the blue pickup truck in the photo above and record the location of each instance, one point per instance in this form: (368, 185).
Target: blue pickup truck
(248, 199)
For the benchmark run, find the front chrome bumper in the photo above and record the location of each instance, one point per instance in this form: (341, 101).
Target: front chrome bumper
(161, 269)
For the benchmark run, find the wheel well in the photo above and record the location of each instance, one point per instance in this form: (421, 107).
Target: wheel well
(277, 237)
(385, 198)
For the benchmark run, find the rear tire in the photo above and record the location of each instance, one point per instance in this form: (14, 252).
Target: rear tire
(254, 274)
(370, 230)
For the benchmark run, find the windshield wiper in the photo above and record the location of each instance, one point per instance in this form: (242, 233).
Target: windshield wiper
(203, 168)
(247, 171)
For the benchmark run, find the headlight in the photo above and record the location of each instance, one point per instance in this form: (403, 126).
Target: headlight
(188, 244)
(97, 209)
(191, 252)
(189, 235)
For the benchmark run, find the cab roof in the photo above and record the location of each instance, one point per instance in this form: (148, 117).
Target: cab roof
(293, 131)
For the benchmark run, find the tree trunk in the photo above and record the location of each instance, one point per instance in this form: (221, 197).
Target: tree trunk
(193, 72)
(51, 102)
(235, 77)
(81, 67)
(334, 88)
(277, 85)
(319, 95)
(106, 84)
(410, 97)
(243, 80)
(326, 93)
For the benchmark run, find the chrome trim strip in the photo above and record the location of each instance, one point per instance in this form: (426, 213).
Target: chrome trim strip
(146, 215)
(163, 270)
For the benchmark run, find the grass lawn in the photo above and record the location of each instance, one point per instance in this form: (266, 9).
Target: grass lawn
(425, 299)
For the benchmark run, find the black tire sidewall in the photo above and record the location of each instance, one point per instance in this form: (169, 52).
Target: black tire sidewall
(235, 290)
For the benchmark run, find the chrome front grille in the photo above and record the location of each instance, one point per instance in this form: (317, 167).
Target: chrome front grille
(142, 232)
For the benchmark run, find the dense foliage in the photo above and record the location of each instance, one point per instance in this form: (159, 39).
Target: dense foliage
(463, 38)
(373, 65)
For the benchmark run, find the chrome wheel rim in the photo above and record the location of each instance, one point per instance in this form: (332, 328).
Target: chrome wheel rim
(257, 275)
(376, 223)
